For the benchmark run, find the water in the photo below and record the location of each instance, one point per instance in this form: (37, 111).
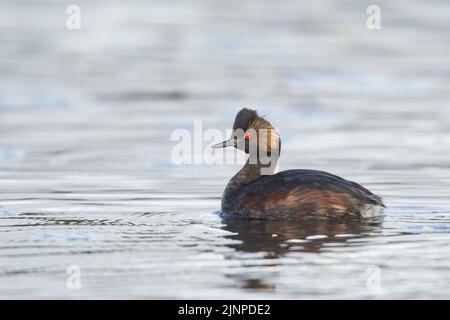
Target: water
(86, 177)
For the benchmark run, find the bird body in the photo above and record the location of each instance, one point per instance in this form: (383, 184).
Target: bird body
(256, 191)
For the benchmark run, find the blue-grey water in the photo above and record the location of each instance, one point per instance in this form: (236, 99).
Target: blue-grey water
(86, 175)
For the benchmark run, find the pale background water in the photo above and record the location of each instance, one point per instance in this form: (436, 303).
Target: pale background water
(86, 176)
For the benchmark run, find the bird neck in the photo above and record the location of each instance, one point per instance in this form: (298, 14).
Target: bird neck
(249, 173)
(252, 171)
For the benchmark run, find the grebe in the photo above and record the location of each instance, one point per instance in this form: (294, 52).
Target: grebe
(256, 192)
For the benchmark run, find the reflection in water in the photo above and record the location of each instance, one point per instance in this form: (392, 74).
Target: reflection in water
(279, 237)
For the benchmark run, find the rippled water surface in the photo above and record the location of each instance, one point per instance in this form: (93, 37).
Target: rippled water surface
(87, 180)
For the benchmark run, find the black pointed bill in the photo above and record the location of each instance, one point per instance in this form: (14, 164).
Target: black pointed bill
(224, 144)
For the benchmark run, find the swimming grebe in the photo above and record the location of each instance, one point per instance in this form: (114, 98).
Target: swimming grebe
(256, 192)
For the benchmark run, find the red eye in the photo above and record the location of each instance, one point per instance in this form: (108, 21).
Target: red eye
(247, 135)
